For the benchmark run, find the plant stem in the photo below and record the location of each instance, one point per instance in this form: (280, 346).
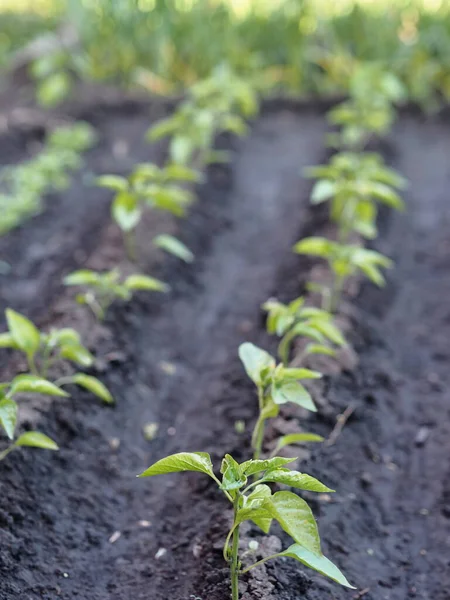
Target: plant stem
(260, 562)
(5, 453)
(32, 364)
(336, 293)
(234, 563)
(258, 437)
(130, 245)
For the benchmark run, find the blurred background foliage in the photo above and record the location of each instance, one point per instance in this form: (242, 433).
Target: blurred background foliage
(307, 47)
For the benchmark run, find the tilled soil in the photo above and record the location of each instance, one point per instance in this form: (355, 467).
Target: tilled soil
(78, 524)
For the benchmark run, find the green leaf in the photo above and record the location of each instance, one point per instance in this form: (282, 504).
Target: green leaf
(233, 478)
(294, 392)
(173, 246)
(7, 341)
(82, 277)
(181, 149)
(181, 173)
(255, 360)
(258, 514)
(126, 211)
(183, 461)
(250, 467)
(54, 89)
(161, 129)
(36, 385)
(92, 384)
(8, 416)
(77, 353)
(320, 349)
(295, 479)
(330, 331)
(36, 440)
(317, 562)
(288, 373)
(322, 191)
(142, 282)
(24, 333)
(314, 246)
(297, 438)
(296, 519)
(112, 182)
(258, 495)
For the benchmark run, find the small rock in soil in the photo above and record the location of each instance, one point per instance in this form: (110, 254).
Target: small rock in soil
(422, 436)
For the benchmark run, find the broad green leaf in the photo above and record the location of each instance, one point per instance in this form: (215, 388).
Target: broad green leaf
(8, 416)
(322, 191)
(82, 277)
(7, 341)
(233, 478)
(36, 385)
(66, 335)
(183, 461)
(142, 282)
(36, 440)
(294, 392)
(173, 246)
(92, 384)
(24, 333)
(126, 211)
(297, 438)
(258, 514)
(255, 360)
(373, 273)
(54, 88)
(181, 149)
(112, 182)
(314, 246)
(250, 467)
(296, 519)
(78, 354)
(317, 562)
(294, 479)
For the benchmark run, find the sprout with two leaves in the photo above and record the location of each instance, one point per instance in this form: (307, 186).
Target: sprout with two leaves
(355, 184)
(344, 260)
(276, 385)
(293, 320)
(254, 501)
(149, 186)
(44, 350)
(105, 287)
(24, 384)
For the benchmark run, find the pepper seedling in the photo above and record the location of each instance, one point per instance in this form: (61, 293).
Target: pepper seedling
(148, 186)
(105, 287)
(43, 350)
(30, 384)
(370, 109)
(354, 184)
(344, 260)
(214, 106)
(257, 503)
(293, 320)
(276, 385)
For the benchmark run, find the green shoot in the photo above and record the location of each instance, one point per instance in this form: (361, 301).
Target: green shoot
(9, 411)
(148, 186)
(276, 385)
(106, 287)
(344, 260)
(354, 184)
(293, 320)
(44, 350)
(257, 503)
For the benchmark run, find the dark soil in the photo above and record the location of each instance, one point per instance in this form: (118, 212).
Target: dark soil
(388, 525)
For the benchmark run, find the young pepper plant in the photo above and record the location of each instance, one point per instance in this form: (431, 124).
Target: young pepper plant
(276, 385)
(30, 384)
(354, 184)
(344, 260)
(148, 186)
(104, 288)
(293, 320)
(43, 350)
(257, 503)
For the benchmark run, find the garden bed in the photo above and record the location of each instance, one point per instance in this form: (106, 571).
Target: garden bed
(77, 524)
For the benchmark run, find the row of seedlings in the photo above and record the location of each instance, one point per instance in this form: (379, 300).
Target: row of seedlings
(354, 182)
(214, 105)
